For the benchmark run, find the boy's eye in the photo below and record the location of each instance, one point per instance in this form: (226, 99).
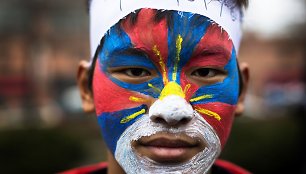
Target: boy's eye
(204, 72)
(134, 75)
(204, 76)
(136, 72)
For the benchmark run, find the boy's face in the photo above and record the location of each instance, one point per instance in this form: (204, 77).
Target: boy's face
(165, 91)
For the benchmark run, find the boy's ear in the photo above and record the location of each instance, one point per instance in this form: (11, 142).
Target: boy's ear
(86, 93)
(244, 71)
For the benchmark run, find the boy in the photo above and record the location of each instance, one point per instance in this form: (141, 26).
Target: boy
(165, 83)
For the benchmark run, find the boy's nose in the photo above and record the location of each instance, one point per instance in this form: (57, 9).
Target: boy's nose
(172, 110)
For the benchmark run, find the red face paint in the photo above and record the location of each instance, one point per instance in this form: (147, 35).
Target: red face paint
(110, 97)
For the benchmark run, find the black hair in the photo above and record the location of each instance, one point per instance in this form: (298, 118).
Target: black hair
(243, 3)
(88, 2)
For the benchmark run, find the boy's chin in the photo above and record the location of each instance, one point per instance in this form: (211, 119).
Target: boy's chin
(148, 148)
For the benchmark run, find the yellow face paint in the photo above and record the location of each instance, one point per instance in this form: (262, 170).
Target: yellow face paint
(172, 88)
(187, 87)
(131, 117)
(136, 99)
(208, 113)
(201, 98)
(155, 88)
(161, 64)
(179, 41)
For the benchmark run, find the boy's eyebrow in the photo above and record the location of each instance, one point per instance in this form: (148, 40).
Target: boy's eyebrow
(216, 49)
(131, 51)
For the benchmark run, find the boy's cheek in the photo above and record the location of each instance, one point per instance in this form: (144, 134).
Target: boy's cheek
(108, 96)
(222, 122)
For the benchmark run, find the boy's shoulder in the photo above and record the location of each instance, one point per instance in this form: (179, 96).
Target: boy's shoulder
(99, 168)
(220, 167)
(225, 167)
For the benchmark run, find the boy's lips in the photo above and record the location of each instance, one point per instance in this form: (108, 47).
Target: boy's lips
(169, 148)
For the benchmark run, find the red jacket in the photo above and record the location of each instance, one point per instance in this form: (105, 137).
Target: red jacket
(220, 167)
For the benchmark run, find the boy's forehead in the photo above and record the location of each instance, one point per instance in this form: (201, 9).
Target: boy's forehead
(148, 34)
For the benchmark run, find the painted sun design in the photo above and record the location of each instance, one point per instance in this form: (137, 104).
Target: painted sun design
(170, 87)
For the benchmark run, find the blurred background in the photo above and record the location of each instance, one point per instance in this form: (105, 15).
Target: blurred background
(43, 128)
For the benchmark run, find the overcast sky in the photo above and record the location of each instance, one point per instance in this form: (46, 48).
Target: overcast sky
(273, 17)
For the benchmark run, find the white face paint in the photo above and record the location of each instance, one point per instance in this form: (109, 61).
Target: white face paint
(196, 128)
(173, 108)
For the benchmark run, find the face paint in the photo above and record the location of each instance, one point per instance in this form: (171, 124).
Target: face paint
(191, 74)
